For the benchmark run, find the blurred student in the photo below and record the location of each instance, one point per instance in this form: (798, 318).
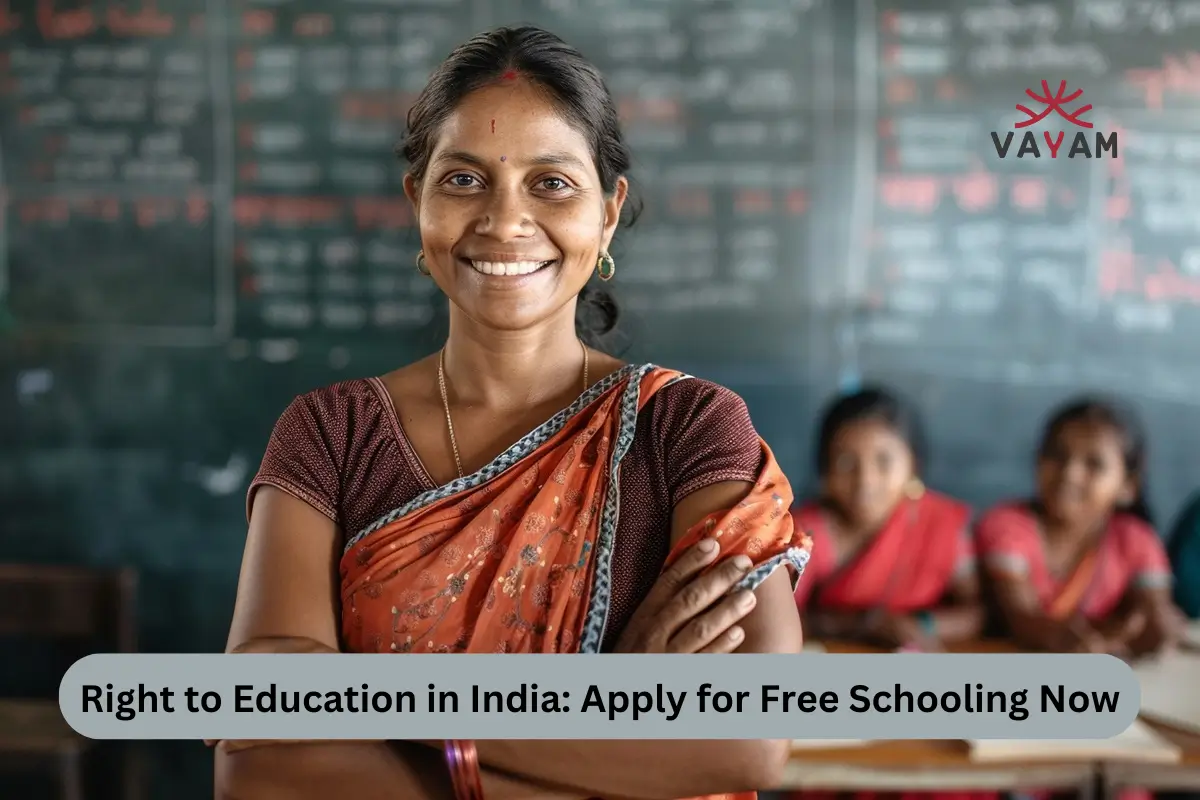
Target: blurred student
(1079, 567)
(1184, 551)
(892, 562)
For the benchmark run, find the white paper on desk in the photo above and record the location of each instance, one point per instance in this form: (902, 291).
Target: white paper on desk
(1171, 689)
(1138, 743)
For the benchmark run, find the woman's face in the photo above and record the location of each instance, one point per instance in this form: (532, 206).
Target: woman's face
(511, 211)
(869, 467)
(1082, 477)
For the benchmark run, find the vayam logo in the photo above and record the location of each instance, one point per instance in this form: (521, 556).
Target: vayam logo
(1029, 144)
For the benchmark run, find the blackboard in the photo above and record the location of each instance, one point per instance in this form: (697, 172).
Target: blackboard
(1079, 266)
(202, 217)
(994, 286)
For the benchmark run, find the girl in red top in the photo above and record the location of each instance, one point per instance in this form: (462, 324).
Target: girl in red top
(1079, 568)
(892, 562)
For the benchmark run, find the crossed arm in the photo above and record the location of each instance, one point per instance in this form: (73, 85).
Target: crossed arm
(288, 602)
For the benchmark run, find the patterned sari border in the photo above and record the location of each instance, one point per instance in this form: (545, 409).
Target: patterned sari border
(596, 619)
(526, 445)
(796, 556)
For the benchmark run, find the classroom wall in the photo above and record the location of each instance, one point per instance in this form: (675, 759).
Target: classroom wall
(203, 219)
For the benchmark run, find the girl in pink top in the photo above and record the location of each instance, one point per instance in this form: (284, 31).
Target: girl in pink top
(1079, 568)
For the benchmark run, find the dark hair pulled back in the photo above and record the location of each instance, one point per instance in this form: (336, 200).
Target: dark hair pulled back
(1121, 419)
(870, 403)
(578, 90)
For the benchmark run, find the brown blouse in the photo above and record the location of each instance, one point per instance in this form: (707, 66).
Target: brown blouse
(341, 450)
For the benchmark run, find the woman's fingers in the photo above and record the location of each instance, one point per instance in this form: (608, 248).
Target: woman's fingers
(699, 595)
(727, 642)
(645, 631)
(679, 574)
(682, 597)
(701, 631)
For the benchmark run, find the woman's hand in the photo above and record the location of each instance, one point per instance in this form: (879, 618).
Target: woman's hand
(684, 613)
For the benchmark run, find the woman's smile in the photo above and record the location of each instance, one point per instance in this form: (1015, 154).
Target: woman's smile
(499, 275)
(505, 266)
(501, 268)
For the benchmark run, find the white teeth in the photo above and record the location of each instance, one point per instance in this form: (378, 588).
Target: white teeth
(507, 267)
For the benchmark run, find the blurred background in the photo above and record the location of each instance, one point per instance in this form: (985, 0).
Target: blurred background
(203, 218)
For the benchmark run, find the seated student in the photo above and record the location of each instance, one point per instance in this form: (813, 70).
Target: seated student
(1184, 551)
(892, 562)
(1079, 568)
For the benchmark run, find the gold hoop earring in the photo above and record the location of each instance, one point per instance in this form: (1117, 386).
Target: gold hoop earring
(421, 268)
(914, 489)
(606, 267)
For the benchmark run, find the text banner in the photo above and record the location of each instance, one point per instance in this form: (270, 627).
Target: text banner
(825, 696)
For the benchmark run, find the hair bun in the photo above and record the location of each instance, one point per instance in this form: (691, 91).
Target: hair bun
(596, 314)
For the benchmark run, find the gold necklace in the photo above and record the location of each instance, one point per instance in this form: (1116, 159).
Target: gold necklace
(446, 402)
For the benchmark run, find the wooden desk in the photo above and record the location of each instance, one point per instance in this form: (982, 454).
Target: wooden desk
(926, 764)
(931, 765)
(1170, 689)
(1182, 776)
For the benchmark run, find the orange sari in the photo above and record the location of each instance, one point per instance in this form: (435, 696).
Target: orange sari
(517, 557)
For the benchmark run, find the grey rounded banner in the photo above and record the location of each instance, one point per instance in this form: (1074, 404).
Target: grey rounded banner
(817, 696)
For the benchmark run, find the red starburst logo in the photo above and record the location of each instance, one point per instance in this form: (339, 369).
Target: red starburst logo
(1056, 102)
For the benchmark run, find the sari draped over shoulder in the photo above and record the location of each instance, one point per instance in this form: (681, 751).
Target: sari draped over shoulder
(517, 557)
(908, 566)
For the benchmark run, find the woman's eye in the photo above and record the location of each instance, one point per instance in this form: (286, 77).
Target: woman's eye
(461, 181)
(555, 184)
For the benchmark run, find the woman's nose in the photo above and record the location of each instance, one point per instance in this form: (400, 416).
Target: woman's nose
(505, 216)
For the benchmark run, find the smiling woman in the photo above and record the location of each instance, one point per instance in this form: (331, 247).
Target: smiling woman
(477, 205)
(520, 490)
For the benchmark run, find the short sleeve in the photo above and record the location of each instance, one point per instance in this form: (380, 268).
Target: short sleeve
(759, 526)
(1149, 565)
(1006, 540)
(299, 460)
(704, 434)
